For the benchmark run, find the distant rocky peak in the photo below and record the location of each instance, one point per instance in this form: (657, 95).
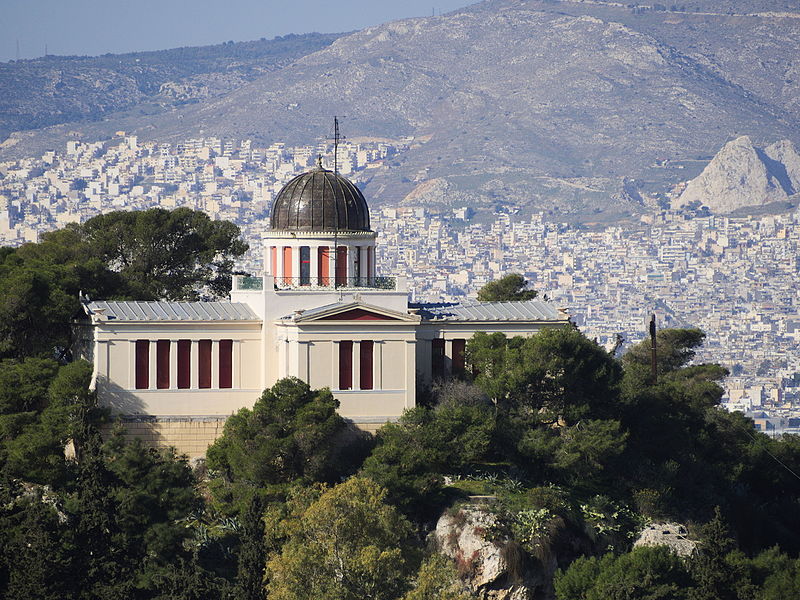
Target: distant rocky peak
(743, 175)
(784, 160)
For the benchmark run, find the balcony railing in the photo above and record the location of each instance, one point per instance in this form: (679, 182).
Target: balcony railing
(373, 283)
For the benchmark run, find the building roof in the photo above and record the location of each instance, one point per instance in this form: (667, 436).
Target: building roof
(319, 200)
(528, 310)
(170, 311)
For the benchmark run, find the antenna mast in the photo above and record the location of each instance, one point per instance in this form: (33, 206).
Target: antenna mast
(336, 144)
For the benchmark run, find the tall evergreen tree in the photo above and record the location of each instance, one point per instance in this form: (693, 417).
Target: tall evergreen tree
(252, 555)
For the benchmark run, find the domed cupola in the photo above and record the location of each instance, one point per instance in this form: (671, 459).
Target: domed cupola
(320, 200)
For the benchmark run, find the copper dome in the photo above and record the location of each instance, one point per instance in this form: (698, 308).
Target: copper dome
(319, 200)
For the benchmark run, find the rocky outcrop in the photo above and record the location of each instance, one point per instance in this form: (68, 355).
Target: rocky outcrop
(672, 535)
(491, 567)
(743, 175)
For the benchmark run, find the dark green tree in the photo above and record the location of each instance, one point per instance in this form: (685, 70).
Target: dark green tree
(161, 254)
(252, 554)
(410, 456)
(290, 433)
(714, 576)
(512, 287)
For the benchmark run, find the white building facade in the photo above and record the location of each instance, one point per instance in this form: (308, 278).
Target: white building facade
(172, 372)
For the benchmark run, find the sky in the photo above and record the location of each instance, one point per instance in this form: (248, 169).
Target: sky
(92, 27)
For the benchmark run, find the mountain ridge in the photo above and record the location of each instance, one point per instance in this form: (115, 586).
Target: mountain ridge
(517, 102)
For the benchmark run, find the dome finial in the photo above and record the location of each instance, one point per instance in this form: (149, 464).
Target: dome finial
(319, 161)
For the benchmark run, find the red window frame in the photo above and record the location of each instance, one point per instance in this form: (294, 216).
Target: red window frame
(346, 365)
(365, 366)
(162, 364)
(459, 354)
(204, 364)
(225, 364)
(184, 364)
(142, 364)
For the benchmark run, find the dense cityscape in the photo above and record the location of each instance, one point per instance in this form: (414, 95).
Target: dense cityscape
(734, 278)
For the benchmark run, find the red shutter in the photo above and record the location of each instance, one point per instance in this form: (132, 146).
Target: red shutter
(142, 364)
(287, 265)
(162, 364)
(365, 366)
(324, 265)
(273, 251)
(341, 265)
(204, 364)
(226, 364)
(459, 346)
(437, 358)
(345, 365)
(184, 364)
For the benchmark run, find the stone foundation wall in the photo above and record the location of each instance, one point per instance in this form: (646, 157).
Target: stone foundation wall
(188, 435)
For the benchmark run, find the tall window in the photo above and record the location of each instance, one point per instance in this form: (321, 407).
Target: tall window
(437, 358)
(225, 364)
(366, 348)
(273, 251)
(305, 265)
(142, 364)
(357, 262)
(341, 265)
(345, 365)
(162, 364)
(204, 364)
(459, 347)
(287, 265)
(324, 265)
(184, 364)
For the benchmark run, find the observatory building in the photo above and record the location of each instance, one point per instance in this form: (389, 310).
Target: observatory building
(172, 372)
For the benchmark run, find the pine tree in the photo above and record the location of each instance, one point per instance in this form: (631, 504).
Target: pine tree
(253, 555)
(714, 576)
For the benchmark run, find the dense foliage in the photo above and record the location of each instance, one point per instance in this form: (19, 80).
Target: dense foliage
(511, 287)
(144, 255)
(574, 449)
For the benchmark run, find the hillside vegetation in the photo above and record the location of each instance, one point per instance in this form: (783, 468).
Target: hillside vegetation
(571, 450)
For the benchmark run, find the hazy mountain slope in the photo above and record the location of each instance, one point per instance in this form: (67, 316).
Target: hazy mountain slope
(59, 89)
(518, 102)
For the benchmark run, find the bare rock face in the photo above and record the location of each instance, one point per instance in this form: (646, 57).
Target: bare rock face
(786, 164)
(741, 175)
(672, 535)
(489, 566)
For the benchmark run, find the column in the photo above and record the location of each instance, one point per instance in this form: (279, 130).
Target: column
(279, 265)
(314, 254)
(173, 364)
(296, 264)
(237, 364)
(215, 364)
(132, 365)
(364, 259)
(153, 364)
(377, 371)
(335, 365)
(356, 364)
(411, 373)
(332, 266)
(351, 261)
(194, 372)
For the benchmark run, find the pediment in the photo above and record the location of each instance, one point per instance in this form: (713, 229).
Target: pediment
(358, 314)
(354, 312)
